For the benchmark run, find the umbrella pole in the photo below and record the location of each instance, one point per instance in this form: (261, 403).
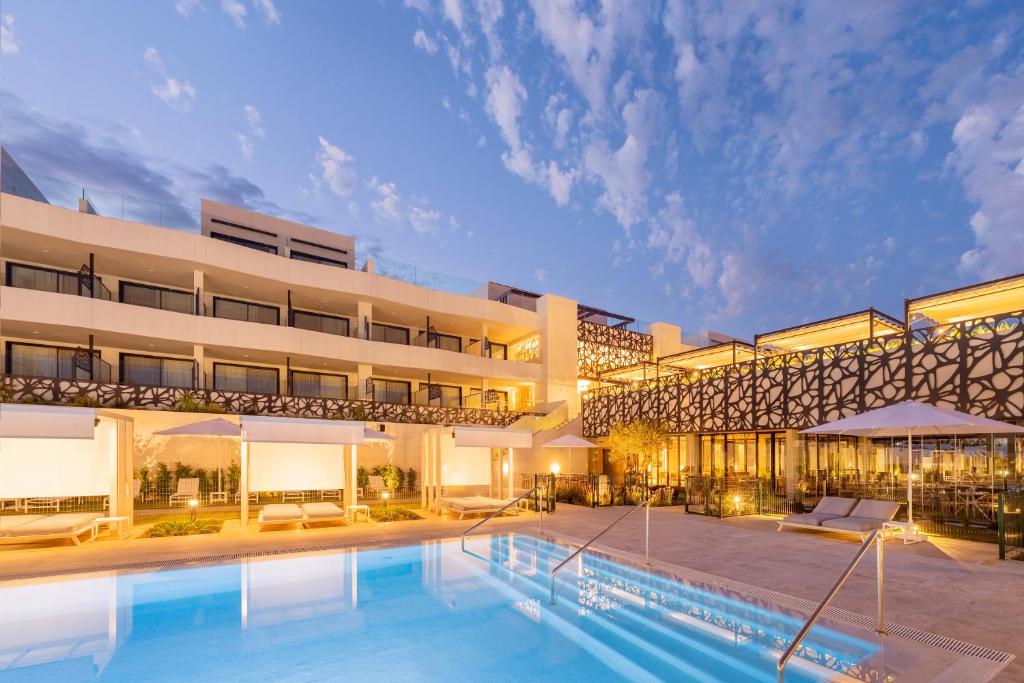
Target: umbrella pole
(219, 487)
(910, 477)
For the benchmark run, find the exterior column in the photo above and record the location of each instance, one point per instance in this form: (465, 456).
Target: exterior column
(667, 339)
(364, 317)
(423, 469)
(692, 451)
(793, 456)
(558, 352)
(438, 470)
(511, 471)
(243, 484)
(351, 495)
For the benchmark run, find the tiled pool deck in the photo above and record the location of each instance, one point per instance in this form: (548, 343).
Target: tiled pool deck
(951, 588)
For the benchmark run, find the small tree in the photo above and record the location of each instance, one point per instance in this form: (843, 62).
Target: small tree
(638, 444)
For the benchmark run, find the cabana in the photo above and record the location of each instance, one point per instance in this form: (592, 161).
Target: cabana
(464, 460)
(68, 470)
(297, 454)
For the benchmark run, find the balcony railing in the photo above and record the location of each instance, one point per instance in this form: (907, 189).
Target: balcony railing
(106, 394)
(78, 283)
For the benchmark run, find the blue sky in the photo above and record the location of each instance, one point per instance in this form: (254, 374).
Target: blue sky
(740, 166)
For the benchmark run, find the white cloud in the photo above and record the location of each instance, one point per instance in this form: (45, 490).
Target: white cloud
(623, 172)
(336, 168)
(989, 157)
(8, 44)
(560, 183)
(539, 274)
(387, 207)
(245, 146)
(269, 11)
(424, 42)
(490, 13)
(674, 234)
(353, 209)
(559, 119)
(422, 6)
(505, 99)
(236, 10)
(185, 7)
(253, 118)
(424, 220)
(175, 93)
(453, 12)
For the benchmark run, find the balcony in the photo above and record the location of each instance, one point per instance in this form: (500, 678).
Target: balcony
(19, 389)
(77, 283)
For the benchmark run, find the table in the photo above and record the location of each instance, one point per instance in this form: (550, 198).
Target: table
(907, 529)
(353, 510)
(218, 497)
(120, 523)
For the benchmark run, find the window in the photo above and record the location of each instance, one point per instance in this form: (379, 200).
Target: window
(489, 350)
(440, 395)
(233, 309)
(320, 322)
(318, 384)
(253, 380)
(445, 342)
(52, 280)
(57, 362)
(157, 297)
(156, 371)
(392, 391)
(241, 241)
(312, 258)
(389, 333)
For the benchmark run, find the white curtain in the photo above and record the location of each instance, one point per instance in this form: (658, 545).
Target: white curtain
(466, 466)
(295, 467)
(39, 468)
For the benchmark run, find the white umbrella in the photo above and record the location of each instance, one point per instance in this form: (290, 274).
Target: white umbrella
(217, 427)
(913, 419)
(569, 441)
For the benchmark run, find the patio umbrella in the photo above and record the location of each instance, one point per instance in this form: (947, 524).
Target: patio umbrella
(912, 419)
(569, 441)
(218, 427)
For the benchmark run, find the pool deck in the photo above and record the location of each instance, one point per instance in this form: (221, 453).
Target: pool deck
(952, 588)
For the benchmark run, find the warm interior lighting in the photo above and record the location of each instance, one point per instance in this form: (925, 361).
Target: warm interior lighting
(582, 385)
(555, 468)
(504, 468)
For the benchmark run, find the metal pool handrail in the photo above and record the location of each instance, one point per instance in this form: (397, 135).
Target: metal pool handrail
(647, 541)
(875, 537)
(499, 511)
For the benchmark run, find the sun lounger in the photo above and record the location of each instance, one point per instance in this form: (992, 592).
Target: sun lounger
(829, 507)
(475, 504)
(35, 528)
(187, 490)
(279, 514)
(868, 516)
(323, 512)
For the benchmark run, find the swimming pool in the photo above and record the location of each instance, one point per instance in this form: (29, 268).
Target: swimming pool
(420, 612)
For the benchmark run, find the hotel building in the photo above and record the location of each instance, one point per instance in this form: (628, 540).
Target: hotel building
(149, 309)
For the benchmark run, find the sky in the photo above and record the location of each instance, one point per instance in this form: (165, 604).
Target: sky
(737, 166)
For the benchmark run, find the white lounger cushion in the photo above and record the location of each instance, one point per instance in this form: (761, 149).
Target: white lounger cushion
(835, 506)
(810, 518)
(281, 512)
(853, 523)
(882, 510)
(55, 524)
(8, 523)
(315, 511)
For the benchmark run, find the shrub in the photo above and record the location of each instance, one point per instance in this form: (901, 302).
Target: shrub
(163, 478)
(189, 403)
(6, 394)
(204, 478)
(145, 486)
(390, 474)
(410, 478)
(84, 401)
(234, 476)
(185, 527)
(391, 513)
(362, 478)
(182, 471)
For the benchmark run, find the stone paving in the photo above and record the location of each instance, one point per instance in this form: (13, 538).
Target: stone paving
(952, 588)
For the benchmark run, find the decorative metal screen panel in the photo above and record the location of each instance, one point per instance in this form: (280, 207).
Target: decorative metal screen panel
(976, 366)
(602, 348)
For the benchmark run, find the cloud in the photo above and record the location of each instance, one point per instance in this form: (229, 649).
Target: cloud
(387, 208)
(424, 220)
(353, 209)
(8, 44)
(185, 7)
(175, 93)
(269, 11)
(253, 118)
(95, 155)
(453, 12)
(236, 10)
(336, 168)
(424, 42)
(989, 158)
(623, 172)
(422, 6)
(539, 274)
(560, 183)
(245, 146)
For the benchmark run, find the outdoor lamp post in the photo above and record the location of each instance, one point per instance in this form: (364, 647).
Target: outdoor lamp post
(385, 496)
(193, 507)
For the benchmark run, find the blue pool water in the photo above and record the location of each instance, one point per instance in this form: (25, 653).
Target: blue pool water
(420, 612)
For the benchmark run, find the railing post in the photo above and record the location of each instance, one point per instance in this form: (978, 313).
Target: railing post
(1001, 525)
(880, 569)
(647, 533)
